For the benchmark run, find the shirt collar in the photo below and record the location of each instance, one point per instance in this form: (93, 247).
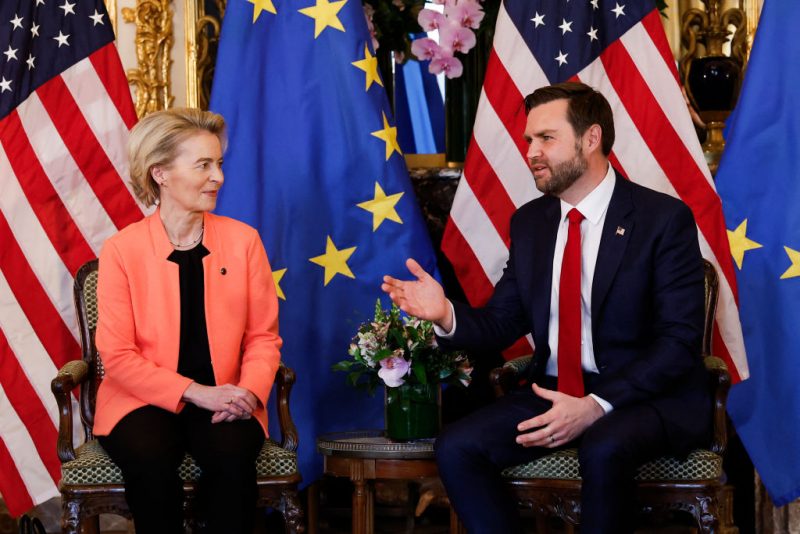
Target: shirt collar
(595, 204)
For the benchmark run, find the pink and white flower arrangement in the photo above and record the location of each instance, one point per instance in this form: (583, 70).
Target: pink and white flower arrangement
(455, 27)
(396, 351)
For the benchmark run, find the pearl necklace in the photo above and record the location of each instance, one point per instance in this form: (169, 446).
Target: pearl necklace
(194, 242)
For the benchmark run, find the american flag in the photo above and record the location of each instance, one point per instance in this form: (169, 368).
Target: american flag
(618, 47)
(65, 112)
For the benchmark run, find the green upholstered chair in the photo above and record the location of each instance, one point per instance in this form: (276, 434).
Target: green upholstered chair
(92, 484)
(550, 486)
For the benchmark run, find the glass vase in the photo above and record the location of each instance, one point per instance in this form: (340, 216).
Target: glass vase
(412, 411)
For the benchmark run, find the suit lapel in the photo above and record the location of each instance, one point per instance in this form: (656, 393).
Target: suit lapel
(617, 230)
(213, 284)
(167, 286)
(544, 245)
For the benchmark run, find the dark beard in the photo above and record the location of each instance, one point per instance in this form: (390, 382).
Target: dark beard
(563, 175)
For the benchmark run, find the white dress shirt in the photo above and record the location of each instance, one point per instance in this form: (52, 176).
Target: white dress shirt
(594, 208)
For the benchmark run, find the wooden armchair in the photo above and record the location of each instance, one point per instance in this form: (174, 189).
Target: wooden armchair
(551, 485)
(92, 484)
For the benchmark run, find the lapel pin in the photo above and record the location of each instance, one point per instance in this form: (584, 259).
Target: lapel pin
(223, 271)
(620, 230)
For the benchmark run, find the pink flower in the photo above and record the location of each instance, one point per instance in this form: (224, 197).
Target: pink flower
(369, 11)
(450, 65)
(464, 368)
(425, 48)
(467, 13)
(430, 20)
(393, 369)
(453, 37)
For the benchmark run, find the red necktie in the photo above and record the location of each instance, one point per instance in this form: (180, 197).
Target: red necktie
(570, 376)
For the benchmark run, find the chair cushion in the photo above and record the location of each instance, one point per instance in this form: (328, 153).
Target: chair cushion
(93, 465)
(699, 465)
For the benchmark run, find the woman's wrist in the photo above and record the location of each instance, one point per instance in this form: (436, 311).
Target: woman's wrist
(190, 393)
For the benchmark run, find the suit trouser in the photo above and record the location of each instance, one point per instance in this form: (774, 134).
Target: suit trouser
(472, 452)
(148, 445)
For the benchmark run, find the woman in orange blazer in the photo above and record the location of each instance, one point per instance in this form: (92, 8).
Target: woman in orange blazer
(187, 332)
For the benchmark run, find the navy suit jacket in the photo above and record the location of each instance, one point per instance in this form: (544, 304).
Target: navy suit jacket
(647, 306)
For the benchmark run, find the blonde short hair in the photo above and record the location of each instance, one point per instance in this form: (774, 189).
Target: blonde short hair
(155, 139)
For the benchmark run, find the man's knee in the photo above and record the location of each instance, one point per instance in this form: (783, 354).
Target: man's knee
(455, 446)
(599, 450)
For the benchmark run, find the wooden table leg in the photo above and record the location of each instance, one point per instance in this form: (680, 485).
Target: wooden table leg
(362, 499)
(370, 507)
(312, 508)
(455, 524)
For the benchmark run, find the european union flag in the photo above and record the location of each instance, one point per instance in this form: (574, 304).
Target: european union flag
(313, 162)
(759, 182)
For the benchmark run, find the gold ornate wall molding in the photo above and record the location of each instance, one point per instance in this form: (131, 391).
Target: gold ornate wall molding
(752, 12)
(203, 20)
(111, 7)
(153, 42)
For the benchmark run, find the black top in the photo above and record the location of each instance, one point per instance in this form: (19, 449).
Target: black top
(194, 356)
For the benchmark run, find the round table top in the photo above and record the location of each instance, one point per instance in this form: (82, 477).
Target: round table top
(373, 444)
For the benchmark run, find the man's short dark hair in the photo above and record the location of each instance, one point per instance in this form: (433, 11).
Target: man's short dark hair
(585, 107)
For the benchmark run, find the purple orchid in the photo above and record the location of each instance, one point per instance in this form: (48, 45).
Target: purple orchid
(393, 369)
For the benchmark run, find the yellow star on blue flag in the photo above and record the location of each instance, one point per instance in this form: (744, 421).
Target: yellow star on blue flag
(740, 243)
(262, 5)
(325, 14)
(277, 275)
(389, 136)
(370, 67)
(382, 207)
(334, 261)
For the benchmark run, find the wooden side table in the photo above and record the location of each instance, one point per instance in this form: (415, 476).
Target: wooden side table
(364, 456)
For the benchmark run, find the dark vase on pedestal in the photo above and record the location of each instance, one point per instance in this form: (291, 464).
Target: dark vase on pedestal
(713, 84)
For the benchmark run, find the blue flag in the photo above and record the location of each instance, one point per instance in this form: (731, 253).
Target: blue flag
(759, 182)
(313, 162)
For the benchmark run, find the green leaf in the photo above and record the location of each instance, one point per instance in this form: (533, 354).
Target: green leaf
(382, 354)
(342, 366)
(353, 377)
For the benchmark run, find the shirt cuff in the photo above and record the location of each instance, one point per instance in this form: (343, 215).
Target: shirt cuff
(440, 331)
(604, 404)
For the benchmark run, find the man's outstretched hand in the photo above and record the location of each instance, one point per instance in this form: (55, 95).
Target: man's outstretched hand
(423, 297)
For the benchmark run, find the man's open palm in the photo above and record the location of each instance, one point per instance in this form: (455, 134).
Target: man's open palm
(423, 297)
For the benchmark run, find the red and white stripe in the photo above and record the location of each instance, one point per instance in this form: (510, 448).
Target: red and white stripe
(63, 191)
(655, 145)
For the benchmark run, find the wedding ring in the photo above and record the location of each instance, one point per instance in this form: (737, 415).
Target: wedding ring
(552, 439)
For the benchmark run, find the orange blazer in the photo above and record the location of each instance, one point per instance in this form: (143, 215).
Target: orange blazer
(138, 327)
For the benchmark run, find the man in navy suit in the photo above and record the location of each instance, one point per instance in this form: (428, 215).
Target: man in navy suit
(616, 373)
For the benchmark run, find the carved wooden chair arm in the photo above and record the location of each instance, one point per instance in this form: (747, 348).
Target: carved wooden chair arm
(68, 378)
(285, 380)
(721, 381)
(504, 379)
